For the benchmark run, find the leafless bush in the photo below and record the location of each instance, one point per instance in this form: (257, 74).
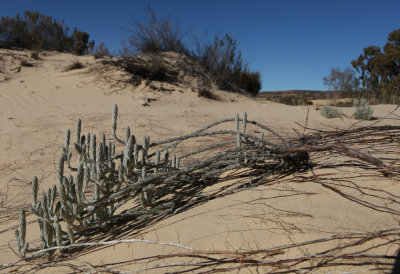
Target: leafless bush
(206, 93)
(156, 35)
(203, 89)
(101, 51)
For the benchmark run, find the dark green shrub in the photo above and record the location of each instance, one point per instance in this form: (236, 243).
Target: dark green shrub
(224, 62)
(250, 81)
(153, 69)
(75, 65)
(79, 42)
(206, 93)
(37, 31)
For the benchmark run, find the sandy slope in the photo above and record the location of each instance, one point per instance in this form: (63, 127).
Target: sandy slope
(39, 103)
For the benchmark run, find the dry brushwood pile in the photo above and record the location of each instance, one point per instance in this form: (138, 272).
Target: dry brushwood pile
(104, 194)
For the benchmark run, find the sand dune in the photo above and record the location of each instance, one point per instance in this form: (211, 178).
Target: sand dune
(39, 103)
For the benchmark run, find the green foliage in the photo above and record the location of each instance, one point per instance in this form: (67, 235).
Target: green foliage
(379, 70)
(329, 112)
(37, 31)
(363, 111)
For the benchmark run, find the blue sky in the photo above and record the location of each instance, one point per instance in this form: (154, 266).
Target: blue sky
(293, 43)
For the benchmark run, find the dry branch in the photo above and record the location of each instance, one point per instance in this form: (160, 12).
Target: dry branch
(158, 184)
(353, 153)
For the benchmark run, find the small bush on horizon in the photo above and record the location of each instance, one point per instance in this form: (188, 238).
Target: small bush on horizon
(291, 101)
(101, 51)
(329, 112)
(363, 110)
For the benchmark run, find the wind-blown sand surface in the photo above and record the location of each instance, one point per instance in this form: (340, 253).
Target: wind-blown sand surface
(39, 103)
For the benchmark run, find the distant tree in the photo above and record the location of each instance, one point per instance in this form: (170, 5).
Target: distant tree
(101, 51)
(80, 42)
(379, 70)
(342, 82)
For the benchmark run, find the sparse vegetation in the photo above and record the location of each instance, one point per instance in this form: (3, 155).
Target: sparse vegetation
(25, 63)
(363, 111)
(106, 192)
(155, 36)
(35, 54)
(345, 104)
(329, 112)
(36, 31)
(221, 58)
(75, 65)
(224, 62)
(289, 100)
(151, 68)
(203, 90)
(206, 93)
(101, 51)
